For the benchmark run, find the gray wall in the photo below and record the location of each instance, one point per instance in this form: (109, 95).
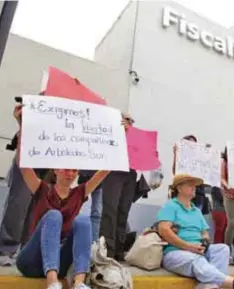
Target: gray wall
(184, 87)
(115, 49)
(21, 72)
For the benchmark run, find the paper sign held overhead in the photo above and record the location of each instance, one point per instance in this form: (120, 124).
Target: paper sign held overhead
(142, 149)
(60, 84)
(199, 161)
(63, 133)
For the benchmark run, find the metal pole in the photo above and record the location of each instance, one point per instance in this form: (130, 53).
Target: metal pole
(7, 11)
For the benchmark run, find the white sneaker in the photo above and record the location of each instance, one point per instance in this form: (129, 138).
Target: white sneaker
(56, 285)
(81, 286)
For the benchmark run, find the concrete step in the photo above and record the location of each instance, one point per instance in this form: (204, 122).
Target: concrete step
(10, 278)
(139, 282)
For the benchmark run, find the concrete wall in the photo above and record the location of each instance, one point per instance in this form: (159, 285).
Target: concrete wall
(21, 72)
(115, 49)
(184, 87)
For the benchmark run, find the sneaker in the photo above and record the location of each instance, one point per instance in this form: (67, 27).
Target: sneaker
(81, 286)
(55, 285)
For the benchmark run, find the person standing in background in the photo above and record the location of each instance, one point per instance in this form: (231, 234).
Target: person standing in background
(96, 207)
(228, 203)
(118, 193)
(219, 215)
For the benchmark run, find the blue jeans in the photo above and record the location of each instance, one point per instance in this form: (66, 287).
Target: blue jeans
(96, 213)
(44, 252)
(211, 268)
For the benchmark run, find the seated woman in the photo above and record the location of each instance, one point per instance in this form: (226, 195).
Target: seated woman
(189, 252)
(58, 236)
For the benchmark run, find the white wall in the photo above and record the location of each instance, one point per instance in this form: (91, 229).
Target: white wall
(115, 49)
(21, 73)
(184, 87)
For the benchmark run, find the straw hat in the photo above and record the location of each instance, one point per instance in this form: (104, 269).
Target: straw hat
(185, 178)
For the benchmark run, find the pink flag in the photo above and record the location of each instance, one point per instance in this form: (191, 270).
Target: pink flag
(63, 85)
(142, 149)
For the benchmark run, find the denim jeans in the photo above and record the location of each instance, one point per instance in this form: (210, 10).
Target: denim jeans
(44, 252)
(211, 268)
(96, 213)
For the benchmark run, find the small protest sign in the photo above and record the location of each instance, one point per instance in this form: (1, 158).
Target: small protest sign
(200, 161)
(63, 133)
(142, 149)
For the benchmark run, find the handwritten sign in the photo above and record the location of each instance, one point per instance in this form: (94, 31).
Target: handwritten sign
(60, 84)
(199, 161)
(230, 152)
(142, 149)
(64, 133)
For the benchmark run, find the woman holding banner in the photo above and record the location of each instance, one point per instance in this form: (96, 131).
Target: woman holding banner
(58, 236)
(228, 203)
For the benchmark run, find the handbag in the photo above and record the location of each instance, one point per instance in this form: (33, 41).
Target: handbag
(147, 252)
(141, 190)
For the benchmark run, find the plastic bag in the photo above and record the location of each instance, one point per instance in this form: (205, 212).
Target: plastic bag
(155, 178)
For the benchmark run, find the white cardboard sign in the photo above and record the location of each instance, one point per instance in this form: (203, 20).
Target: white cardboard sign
(64, 133)
(199, 161)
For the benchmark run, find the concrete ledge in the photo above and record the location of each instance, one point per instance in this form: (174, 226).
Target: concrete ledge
(139, 282)
(10, 278)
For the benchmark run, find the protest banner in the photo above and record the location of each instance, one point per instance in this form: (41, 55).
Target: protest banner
(142, 149)
(60, 84)
(199, 161)
(63, 133)
(230, 153)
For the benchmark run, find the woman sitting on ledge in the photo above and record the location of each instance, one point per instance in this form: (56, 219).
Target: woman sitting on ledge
(57, 236)
(189, 252)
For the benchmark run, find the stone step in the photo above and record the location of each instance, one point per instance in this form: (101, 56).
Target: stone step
(10, 278)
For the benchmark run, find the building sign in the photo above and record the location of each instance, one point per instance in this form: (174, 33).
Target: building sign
(194, 33)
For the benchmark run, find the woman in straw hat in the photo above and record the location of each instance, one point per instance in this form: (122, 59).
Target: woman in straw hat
(189, 252)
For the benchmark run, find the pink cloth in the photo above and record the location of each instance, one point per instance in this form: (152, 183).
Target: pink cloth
(142, 149)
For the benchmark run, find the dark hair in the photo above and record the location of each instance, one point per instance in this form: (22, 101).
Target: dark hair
(50, 177)
(224, 155)
(189, 137)
(174, 192)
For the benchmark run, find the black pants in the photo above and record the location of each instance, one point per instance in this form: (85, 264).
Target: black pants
(118, 192)
(15, 211)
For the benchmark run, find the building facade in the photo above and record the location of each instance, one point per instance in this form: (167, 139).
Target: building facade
(182, 68)
(169, 67)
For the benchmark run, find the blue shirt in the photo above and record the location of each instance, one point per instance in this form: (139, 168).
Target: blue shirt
(190, 221)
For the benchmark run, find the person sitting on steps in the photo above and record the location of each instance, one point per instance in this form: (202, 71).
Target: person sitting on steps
(189, 252)
(58, 236)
